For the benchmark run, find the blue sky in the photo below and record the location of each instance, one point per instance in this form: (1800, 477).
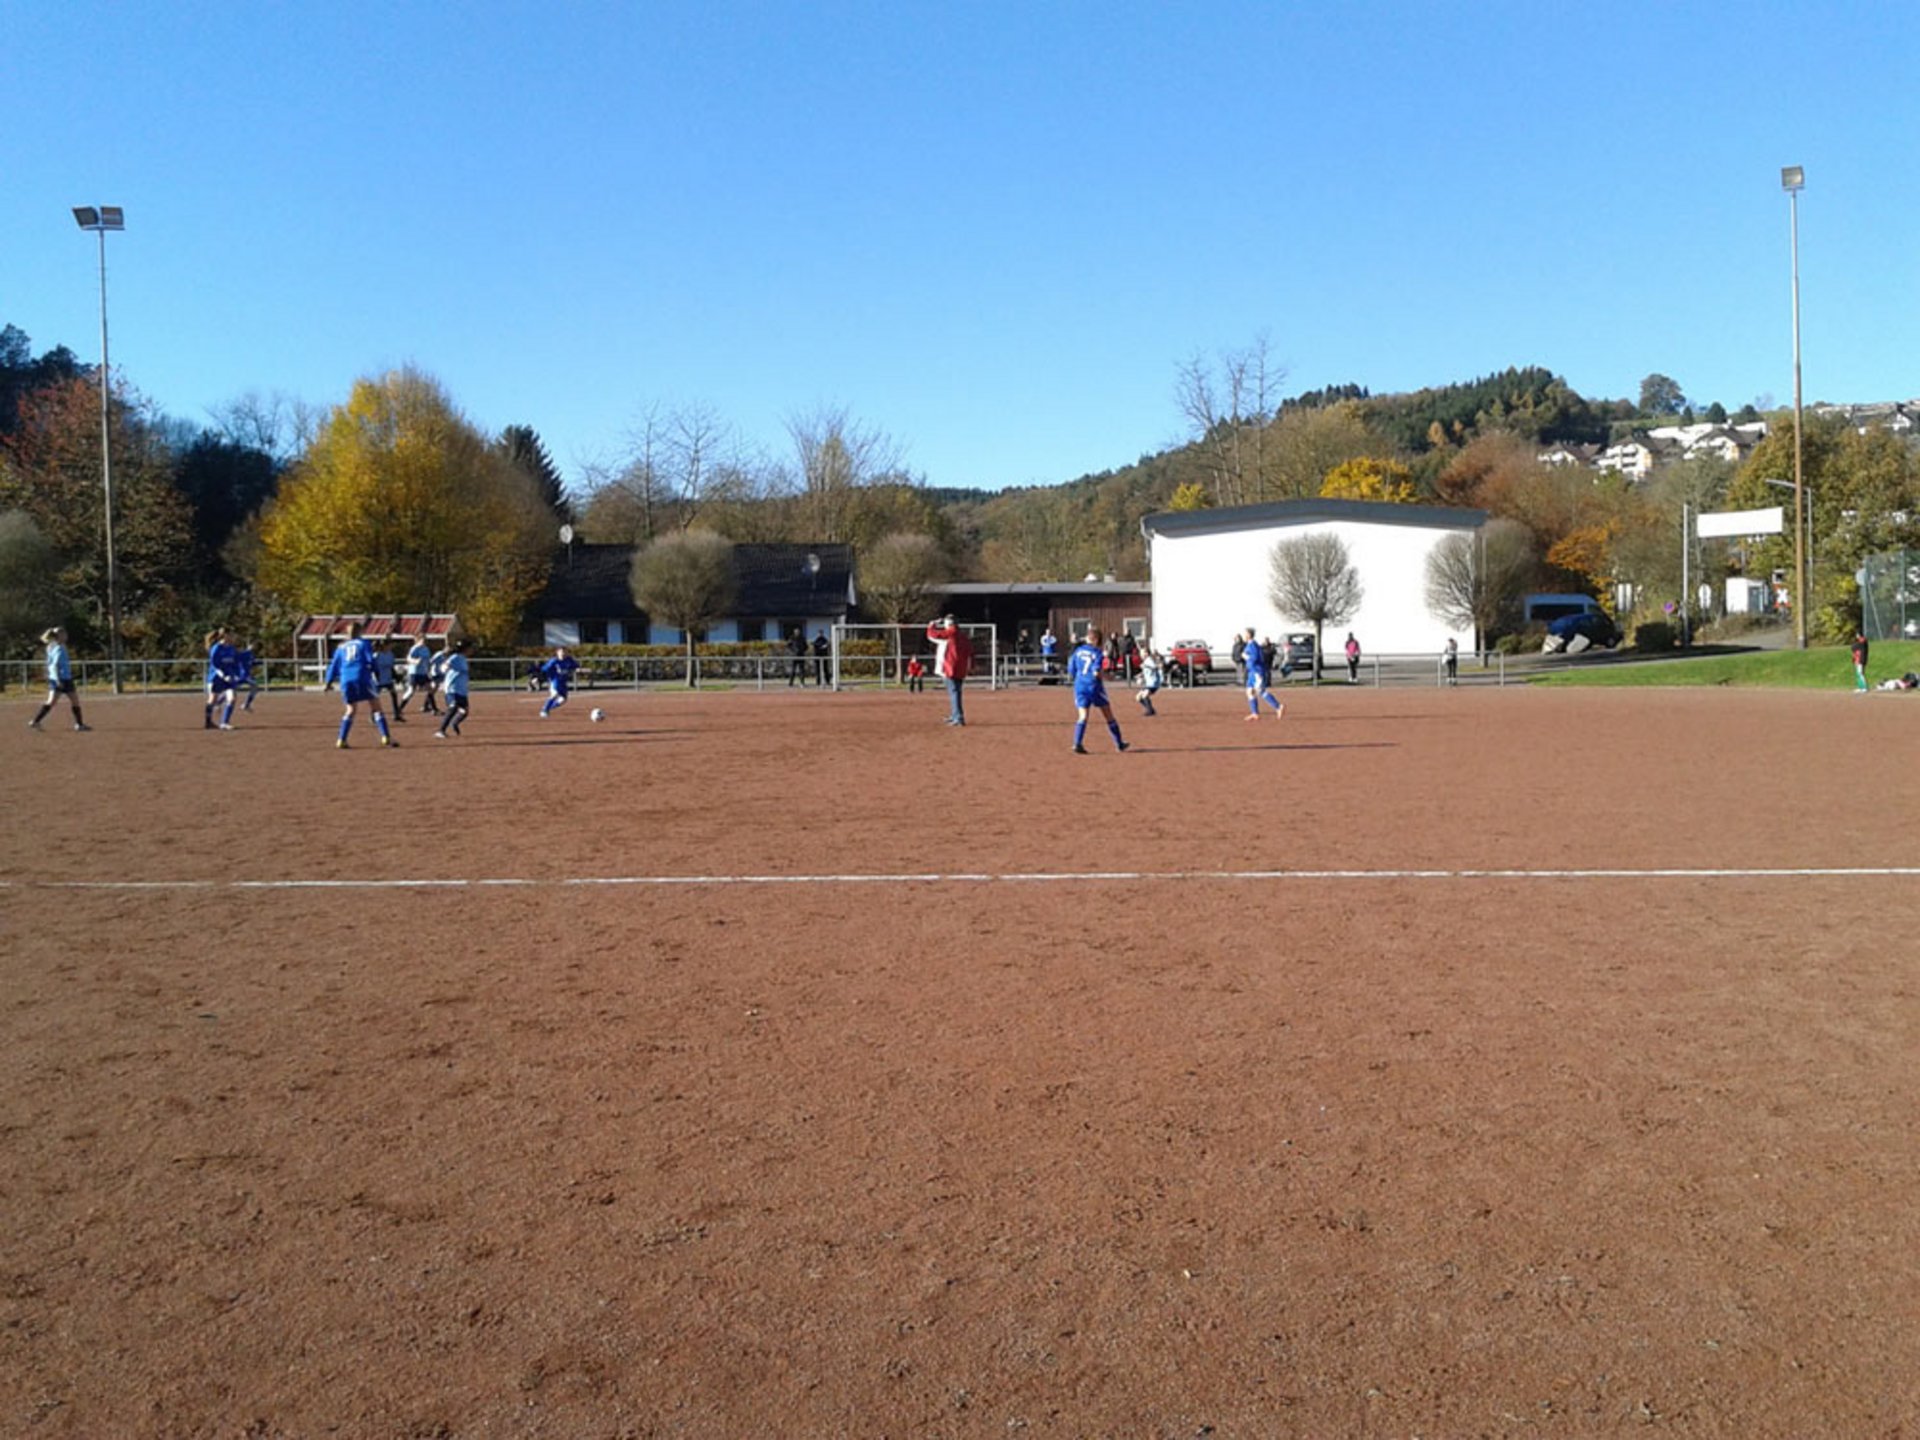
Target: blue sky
(992, 231)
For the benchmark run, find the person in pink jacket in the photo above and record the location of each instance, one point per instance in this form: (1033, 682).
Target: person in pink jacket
(953, 659)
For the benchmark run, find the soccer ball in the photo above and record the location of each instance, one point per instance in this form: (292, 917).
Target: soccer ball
(597, 716)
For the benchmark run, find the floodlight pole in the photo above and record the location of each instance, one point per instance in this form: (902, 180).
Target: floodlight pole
(100, 221)
(1792, 179)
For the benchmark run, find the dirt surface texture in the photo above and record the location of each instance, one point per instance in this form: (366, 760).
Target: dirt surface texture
(1434, 1063)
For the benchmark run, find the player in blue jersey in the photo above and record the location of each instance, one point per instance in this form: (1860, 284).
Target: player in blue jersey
(59, 679)
(352, 670)
(453, 686)
(1084, 668)
(1257, 661)
(558, 673)
(243, 663)
(222, 661)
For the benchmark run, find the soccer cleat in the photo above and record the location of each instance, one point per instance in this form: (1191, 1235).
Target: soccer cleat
(1124, 747)
(1079, 749)
(225, 726)
(439, 734)
(33, 724)
(1252, 718)
(387, 742)
(80, 725)
(1280, 712)
(340, 745)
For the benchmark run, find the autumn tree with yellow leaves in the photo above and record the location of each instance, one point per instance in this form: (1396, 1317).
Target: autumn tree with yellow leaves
(400, 504)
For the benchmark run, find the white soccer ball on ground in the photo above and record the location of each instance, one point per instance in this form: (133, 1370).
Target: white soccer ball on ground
(596, 715)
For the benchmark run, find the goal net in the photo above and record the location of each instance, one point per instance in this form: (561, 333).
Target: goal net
(872, 654)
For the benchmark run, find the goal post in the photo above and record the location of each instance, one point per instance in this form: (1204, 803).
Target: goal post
(877, 654)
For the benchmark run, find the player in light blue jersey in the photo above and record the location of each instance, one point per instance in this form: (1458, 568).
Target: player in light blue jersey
(1085, 666)
(558, 673)
(352, 670)
(1257, 661)
(59, 679)
(453, 687)
(419, 676)
(222, 661)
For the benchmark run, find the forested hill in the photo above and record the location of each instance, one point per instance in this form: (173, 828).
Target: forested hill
(1532, 402)
(1091, 524)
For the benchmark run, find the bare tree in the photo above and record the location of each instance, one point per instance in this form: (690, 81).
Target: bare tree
(899, 578)
(1312, 578)
(836, 455)
(1229, 410)
(278, 425)
(1476, 580)
(688, 580)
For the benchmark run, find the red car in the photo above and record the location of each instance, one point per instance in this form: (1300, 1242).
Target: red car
(1188, 662)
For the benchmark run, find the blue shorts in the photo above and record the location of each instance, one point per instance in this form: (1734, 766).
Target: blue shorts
(355, 692)
(1090, 697)
(1256, 679)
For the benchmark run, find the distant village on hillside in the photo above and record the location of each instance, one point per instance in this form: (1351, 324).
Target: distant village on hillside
(1645, 451)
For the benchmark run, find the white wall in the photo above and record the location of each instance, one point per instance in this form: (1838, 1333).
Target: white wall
(1209, 586)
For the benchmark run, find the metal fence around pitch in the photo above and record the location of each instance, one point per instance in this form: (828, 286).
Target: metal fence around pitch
(150, 676)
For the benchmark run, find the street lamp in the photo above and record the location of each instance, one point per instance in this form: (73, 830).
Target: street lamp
(100, 221)
(1792, 180)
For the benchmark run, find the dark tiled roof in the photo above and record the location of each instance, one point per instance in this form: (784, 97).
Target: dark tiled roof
(793, 580)
(589, 582)
(776, 582)
(1306, 512)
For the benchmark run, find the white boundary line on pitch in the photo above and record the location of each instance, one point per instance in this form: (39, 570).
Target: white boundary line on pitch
(1797, 872)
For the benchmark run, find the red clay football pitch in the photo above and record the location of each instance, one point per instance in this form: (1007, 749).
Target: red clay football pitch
(1440, 1063)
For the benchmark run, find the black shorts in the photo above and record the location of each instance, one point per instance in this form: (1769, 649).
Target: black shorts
(60, 687)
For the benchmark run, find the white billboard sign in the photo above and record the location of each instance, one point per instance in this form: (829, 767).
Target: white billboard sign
(1770, 521)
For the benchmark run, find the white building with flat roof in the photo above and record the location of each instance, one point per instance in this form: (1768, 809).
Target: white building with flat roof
(1212, 570)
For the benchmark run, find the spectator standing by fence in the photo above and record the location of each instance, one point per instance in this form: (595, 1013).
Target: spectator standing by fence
(1450, 661)
(1049, 650)
(797, 658)
(1353, 659)
(1860, 650)
(1240, 657)
(822, 648)
(916, 676)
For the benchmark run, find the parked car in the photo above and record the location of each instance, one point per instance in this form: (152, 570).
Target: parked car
(1575, 633)
(1296, 653)
(1188, 662)
(1911, 629)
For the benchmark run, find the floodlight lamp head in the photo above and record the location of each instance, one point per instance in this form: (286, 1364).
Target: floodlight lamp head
(107, 217)
(1792, 177)
(86, 216)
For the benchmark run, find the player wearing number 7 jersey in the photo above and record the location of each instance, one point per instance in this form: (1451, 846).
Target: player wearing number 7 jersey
(1085, 667)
